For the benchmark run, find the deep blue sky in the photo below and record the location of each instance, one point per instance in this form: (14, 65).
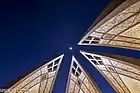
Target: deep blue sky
(32, 31)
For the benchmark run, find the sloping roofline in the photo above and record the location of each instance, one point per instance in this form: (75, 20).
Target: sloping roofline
(130, 60)
(112, 9)
(10, 84)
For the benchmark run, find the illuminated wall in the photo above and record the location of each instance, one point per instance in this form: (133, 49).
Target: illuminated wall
(79, 81)
(121, 30)
(40, 80)
(123, 76)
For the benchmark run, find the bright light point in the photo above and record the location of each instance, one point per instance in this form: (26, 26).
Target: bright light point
(70, 48)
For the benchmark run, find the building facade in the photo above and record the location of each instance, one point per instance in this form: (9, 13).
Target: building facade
(123, 76)
(42, 79)
(39, 81)
(120, 28)
(79, 81)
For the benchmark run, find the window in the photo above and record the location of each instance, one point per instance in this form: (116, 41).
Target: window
(53, 65)
(79, 70)
(95, 62)
(100, 62)
(94, 42)
(86, 42)
(75, 65)
(50, 70)
(50, 65)
(73, 71)
(76, 70)
(57, 61)
(89, 56)
(54, 68)
(96, 38)
(97, 58)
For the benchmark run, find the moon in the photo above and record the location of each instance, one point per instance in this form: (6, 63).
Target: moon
(70, 48)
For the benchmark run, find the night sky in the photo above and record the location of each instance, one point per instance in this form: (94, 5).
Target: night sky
(32, 31)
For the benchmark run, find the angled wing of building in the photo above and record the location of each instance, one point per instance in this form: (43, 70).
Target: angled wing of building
(39, 81)
(120, 28)
(79, 81)
(121, 72)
